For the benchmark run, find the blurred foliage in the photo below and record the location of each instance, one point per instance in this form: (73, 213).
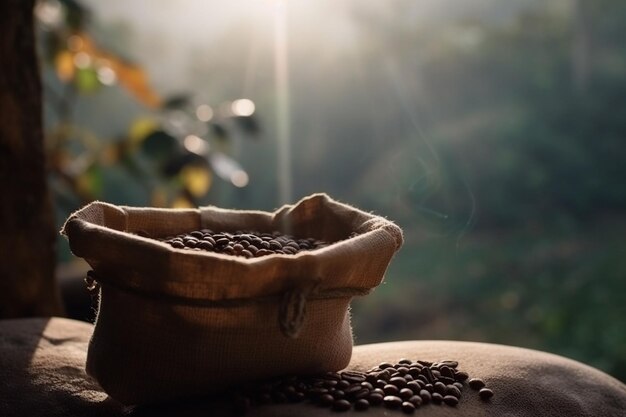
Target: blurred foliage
(167, 155)
(515, 218)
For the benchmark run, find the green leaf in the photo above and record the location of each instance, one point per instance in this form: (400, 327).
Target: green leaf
(87, 80)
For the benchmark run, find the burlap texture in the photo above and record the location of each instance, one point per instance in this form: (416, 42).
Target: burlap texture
(41, 374)
(174, 323)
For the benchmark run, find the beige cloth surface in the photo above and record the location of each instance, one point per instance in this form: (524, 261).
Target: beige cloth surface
(42, 374)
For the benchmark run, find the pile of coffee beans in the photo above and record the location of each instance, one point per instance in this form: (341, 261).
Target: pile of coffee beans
(404, 386)
(250, 244)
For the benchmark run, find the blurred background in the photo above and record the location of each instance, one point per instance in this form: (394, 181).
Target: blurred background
(493, 133)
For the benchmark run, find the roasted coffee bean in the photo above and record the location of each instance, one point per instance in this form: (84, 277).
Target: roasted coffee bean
(341, 405)
(423, 379)
(391, 401)
(461, 376)
(361, 405)
(343, 384)
(353, 376)
(450, 364)
(425, 396)
(375, 398)
(406, 393)
(476, 383)
(398, 382)
(390, 384)
(451, 400)
(362, 393)
(416, 400)
(326, 400)
(440, 388)
(447, 372)
(351, 390)
(485, 393)
(408, 407)
(391, 390)
(454, 391)
(414, 386)
(405, 361)
(234, 243)
(338, 394)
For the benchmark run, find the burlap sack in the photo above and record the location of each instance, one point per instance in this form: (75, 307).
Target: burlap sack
(174, 323)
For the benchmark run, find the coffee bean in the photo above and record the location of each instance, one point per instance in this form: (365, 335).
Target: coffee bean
(461, 376)
(326, 400)
(450, 364)
(403, 370)
(454, 391)
(476, 383)
(446, 371)
(485, 394)
(425, 396)
(406, 393)
(258, 244)
(440, 387)
(341, 405)
(343, 384)
(416, 400)
(398, 382)
(405, 361)
(391, 390)
(362, 393)
(389, 383)
(375, 398)
(414, 386)
(408, 407)
(361, 405)
(338, 394)
(437, 398)
(451, 400)
(391, 401)
(352, 389)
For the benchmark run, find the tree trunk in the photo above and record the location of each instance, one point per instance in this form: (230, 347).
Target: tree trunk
(27, 235)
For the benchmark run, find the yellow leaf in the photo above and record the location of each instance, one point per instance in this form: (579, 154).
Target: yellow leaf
(135, 80)
(196, 179)
(140, 129)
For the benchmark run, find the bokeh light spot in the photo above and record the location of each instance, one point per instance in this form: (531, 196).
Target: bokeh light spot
(204, 112)
(243, 107)
(239, 178)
